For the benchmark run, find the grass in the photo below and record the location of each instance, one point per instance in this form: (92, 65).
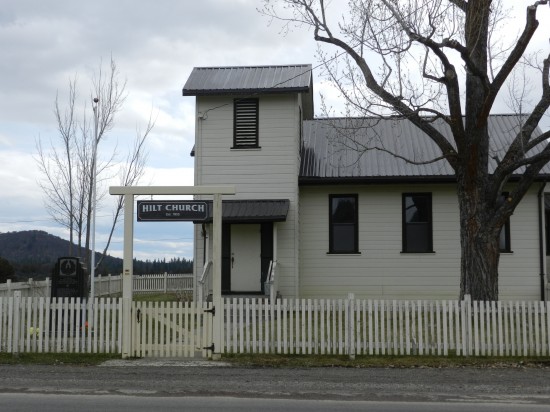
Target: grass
(156, 297)
(79, 359)
(298, 361)
(309, 361)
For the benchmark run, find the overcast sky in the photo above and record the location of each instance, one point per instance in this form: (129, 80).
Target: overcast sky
(155, 45)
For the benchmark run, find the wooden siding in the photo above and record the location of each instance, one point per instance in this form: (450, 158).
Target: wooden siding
(382, 271)
(267, 172)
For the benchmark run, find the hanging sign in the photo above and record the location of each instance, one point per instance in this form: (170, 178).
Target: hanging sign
(171, 210)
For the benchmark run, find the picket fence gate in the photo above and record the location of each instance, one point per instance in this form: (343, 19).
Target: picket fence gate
(288, 326)
(171, 329)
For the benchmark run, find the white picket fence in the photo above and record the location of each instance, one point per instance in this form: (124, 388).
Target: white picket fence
(107, 285)
(60, 325)
(288, 326)
(163, 282)
(30, 288)
(378, 327)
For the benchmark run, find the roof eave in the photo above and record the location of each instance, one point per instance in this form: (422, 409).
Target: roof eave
(227, 92)
(361, 180)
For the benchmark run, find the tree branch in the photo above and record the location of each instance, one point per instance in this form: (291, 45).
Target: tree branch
(461, 4)
(531, 24)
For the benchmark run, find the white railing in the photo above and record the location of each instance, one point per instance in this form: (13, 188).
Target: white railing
(107, 285)
(203, 287)
(30, 288)
(271, 283)
(164, 282)
(60, 325)
(382, 327)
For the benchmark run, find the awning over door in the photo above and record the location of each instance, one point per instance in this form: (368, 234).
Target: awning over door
(252, 211)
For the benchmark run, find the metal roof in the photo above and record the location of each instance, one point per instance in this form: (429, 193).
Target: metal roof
(252, 211)
(360, 149)
(248, 79)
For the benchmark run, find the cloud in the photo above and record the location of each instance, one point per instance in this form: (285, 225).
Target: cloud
(155, 45)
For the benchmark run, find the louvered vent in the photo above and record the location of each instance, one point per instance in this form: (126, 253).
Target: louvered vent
(246, 123)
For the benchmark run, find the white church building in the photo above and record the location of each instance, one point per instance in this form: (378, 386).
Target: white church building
(314, 215)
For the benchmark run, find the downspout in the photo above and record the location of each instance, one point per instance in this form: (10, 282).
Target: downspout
(542, 254)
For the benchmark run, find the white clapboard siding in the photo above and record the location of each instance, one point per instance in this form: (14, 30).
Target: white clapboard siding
(381, 271)
(386, 327)
(60, 325)
(268, 172)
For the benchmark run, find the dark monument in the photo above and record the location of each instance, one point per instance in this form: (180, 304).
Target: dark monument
(69, 279)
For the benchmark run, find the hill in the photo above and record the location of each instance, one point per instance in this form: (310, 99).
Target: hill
(33, 254)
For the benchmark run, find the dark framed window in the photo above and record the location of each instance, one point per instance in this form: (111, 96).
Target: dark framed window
(343, 224)
(245, 123)
(417, 223)
(504, 242)
(504, 239)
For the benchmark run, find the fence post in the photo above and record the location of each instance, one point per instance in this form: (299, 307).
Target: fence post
(16, 321)
(109, 284)
(48, 287)
(165, 282)
(99, 285)
(468, 338)
(8, 283)
(351, 325)
(31, 287)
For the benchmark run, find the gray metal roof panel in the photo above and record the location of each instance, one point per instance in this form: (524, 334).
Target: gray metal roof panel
(355, 148)
(248, 79)
(257, 210)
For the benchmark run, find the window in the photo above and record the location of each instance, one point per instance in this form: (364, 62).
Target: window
(417, 223)
(504, 238)
(343, 224)
(245, 127)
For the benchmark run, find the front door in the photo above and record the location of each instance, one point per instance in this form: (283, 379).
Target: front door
(243, 257)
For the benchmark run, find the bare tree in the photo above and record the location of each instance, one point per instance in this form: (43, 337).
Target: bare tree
(426, 60)
(131, 172)
(70, 164)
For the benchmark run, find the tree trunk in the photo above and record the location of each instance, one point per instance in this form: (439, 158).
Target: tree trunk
(480, 254)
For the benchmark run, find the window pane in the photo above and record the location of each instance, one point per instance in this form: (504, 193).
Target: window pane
(343, 209)
(417, 208)
(418, 238)
(503, 241)
(343, 238)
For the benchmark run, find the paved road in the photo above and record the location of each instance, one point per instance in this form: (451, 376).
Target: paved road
(121, 403)
(506, 387)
